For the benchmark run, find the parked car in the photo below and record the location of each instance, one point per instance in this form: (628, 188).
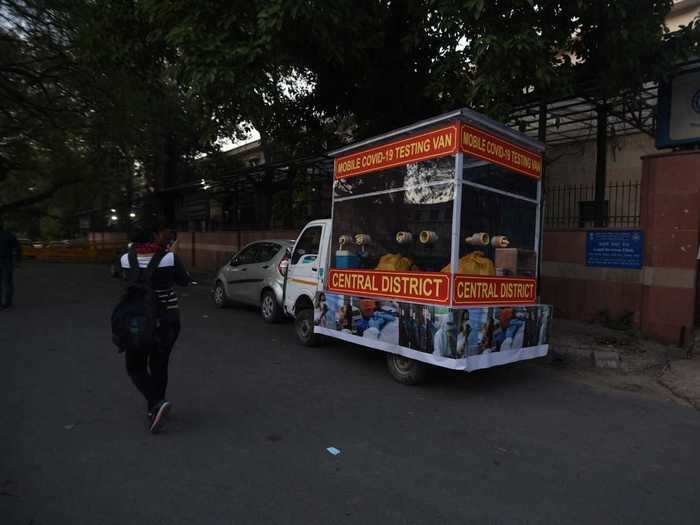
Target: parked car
(65, 243)
(255, 276)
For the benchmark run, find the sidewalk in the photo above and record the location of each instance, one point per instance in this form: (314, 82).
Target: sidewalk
(682, 377)
(591, 346)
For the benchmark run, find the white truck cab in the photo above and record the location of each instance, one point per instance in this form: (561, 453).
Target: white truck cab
(305, 277)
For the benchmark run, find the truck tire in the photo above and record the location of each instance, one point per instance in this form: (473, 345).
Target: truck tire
(269, 307)
(304, 328)
(406, 371)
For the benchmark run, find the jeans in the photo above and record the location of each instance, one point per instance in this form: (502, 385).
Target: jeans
(148, 368)
(7, 284)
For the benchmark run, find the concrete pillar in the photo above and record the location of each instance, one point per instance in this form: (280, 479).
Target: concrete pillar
(670, 219)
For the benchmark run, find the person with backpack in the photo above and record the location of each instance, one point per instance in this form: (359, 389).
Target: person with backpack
(146, 322)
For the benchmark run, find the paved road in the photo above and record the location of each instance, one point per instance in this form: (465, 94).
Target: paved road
(255, 413)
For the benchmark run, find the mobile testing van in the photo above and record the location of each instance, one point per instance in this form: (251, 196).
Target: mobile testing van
(433, 249)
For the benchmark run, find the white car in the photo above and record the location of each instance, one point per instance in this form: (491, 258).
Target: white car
(255, 276)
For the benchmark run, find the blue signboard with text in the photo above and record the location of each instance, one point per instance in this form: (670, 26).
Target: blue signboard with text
(615, 249)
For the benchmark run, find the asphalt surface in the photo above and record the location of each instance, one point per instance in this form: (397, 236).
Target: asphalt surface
(255, 414)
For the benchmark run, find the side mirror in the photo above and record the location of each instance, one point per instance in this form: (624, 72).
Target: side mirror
(284, 267)
(233, 261)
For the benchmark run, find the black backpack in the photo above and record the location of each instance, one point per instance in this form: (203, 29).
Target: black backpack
(135, 318)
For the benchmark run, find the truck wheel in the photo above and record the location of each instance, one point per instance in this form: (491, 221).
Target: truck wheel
(304, 328)
(406, 371)
(219, 295)
(269, 307)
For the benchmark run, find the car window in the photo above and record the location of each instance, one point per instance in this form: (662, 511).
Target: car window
(267, 251)
(259, 252)
(308, 244)
(248, 255)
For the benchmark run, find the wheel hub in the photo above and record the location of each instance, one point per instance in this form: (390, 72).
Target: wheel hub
(402, 363)
(267, 306)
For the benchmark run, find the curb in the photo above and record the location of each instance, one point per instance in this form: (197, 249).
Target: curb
(615, 360)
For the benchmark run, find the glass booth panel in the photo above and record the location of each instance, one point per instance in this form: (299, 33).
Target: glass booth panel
(484, 173)
(497, 235)
(401, 230)
(407, 176)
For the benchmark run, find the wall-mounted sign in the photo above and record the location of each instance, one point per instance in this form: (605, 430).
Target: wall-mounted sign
(679, 110)
(615, 248)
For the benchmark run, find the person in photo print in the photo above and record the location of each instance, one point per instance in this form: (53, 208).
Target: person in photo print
(463, 335)
(486, 344)
(322, 310)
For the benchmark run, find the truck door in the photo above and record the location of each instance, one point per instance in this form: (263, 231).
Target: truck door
(303, 273)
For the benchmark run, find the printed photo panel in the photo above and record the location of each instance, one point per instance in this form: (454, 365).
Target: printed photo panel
(436, 331)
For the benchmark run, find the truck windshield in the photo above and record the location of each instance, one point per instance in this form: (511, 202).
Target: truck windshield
(308, 244)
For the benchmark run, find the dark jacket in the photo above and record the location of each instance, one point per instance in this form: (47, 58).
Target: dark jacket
(9, 246)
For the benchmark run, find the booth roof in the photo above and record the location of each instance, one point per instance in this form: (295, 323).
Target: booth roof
(465, 115)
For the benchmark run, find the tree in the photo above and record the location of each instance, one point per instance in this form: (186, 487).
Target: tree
(92, 108)
(382, 64)
(125, 95)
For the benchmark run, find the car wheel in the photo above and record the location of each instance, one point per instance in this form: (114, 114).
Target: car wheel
(219, 295)
(304, 328)
(406, 371)
(269, 307)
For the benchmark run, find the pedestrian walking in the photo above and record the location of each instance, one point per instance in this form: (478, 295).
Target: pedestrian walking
(146, 323)
(10, 252)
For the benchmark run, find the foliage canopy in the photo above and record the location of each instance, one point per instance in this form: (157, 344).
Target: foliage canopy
(103, 101)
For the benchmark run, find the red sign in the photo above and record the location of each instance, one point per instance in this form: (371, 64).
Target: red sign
(412, 286)
(437, 143)
(485, 146)
(479, 290)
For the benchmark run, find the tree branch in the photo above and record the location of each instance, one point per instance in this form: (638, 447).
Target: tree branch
(36, 198)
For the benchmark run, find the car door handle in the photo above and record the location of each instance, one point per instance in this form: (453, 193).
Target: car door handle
(314, 269)
(266, 267)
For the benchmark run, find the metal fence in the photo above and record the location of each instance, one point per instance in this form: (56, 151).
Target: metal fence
(573, 206)
(283, 195)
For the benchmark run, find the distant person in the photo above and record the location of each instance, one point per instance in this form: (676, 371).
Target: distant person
(156, 270)
(10, 252)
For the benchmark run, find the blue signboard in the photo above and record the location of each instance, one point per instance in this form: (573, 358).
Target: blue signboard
(615, 249)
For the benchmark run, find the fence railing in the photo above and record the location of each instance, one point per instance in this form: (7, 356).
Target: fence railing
(573, 206)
